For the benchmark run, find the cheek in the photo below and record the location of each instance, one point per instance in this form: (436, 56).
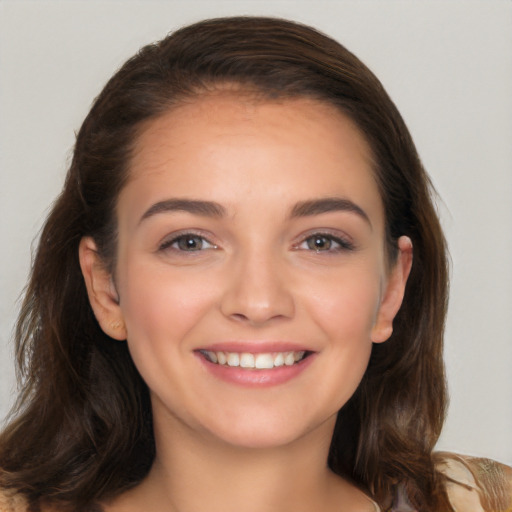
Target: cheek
(345, 313)
(161, 305)
(162, 310)
(347, 307)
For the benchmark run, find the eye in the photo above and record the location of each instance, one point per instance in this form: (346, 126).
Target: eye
(321, 242)
(188, 242)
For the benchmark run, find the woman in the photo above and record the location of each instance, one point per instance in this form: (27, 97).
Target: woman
(224, 296)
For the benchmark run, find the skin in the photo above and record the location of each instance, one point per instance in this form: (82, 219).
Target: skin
(257, 277)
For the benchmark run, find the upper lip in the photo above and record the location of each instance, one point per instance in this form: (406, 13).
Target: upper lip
(255, 347)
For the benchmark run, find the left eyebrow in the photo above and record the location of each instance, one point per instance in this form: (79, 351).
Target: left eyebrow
(327, 205)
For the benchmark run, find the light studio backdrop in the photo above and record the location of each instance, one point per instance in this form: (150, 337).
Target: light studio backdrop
(447, 65)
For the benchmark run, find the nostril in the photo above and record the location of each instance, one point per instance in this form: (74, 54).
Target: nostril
(239, 316)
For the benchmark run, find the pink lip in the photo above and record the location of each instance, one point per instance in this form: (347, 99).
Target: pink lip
(256, 347)
(252, 377)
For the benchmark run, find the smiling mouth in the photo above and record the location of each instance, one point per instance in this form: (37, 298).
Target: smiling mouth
(260, 361)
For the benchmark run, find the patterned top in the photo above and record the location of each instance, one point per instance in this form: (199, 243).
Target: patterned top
(476, 484)
(473, 485)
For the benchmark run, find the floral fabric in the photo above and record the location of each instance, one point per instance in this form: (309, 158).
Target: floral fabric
(473, 485)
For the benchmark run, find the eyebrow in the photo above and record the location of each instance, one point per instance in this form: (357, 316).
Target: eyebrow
(196, 207)
(213, 209)
(327, 205)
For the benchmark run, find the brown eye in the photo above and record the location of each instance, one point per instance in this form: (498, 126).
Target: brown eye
(319, 243)
(324, 242)
(189, 243)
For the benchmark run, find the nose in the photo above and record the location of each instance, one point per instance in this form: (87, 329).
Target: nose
(257, 290)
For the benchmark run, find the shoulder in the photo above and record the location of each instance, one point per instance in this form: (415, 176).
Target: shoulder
(476, 484)
(10, 502)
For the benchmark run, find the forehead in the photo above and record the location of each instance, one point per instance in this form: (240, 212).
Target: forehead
(285, 149)
(236, 114)
(237, 106)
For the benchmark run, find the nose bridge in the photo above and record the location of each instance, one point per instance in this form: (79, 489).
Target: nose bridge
(258, 289)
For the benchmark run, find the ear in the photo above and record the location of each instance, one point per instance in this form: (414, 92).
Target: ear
(393, 293)
(101, 290)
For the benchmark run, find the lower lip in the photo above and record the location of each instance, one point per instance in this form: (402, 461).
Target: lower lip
(256, 378)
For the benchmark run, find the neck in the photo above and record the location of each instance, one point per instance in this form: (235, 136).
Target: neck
(195, 472)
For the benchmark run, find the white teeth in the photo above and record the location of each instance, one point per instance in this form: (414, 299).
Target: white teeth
(247, 360)
(289, 358)
(255, 361)
(279, 359)
(264, 361)
(212, 356)
(233, 359)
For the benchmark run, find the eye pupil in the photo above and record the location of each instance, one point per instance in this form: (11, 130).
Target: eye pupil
(190, 243)
(319, 243)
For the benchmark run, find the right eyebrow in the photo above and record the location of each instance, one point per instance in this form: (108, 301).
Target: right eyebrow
(197, 207)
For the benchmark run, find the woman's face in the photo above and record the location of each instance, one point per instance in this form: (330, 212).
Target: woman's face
(251, 271)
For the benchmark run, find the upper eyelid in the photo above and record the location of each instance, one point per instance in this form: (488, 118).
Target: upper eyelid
(328, 233)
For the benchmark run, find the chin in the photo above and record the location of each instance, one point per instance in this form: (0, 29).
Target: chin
(268, 433)
(261, 440)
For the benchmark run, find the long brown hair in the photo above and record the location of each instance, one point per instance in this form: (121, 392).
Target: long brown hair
(82, 430)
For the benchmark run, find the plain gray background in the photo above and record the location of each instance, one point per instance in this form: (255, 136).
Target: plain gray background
(448, 66)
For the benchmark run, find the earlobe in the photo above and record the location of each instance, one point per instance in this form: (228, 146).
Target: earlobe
(394, 292)
(101, 291)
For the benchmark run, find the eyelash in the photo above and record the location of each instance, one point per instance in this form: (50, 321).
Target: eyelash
(342, 243)
(168, 244)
